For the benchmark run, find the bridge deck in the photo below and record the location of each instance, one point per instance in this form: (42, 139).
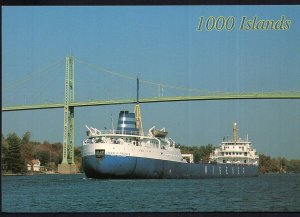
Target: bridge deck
(221, 96)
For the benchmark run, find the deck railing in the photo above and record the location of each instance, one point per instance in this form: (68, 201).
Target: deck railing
(119, 132)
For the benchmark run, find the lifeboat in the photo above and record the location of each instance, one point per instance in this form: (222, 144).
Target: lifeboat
(162, 133)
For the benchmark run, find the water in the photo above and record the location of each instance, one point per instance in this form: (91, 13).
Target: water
(76, 193)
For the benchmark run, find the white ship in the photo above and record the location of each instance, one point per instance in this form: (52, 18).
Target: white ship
(128, 152)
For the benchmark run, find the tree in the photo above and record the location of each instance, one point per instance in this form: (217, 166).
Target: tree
(204, 152)
(200, 153)
(14, 160)
(264, 163)
(56, 153)
(78, 162)
(274, 165)
(27, 152)
(293, 166)
(26, 138)
(4, 146)
(44, 157)
(282, 164)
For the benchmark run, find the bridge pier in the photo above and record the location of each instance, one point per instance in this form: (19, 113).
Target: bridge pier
(67, 165)
(64, 168)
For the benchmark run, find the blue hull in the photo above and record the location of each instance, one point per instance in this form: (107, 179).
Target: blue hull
(145, 168)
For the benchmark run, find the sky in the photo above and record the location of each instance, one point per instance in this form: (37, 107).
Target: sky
(159, 44)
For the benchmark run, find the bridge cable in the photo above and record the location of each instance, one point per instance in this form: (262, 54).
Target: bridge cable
(42, 88)
(32, 75)
(99, 68)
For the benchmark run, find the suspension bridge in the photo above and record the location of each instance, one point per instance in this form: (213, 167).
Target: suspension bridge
(67, 165)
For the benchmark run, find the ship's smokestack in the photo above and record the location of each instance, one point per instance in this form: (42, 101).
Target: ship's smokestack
(127, 123)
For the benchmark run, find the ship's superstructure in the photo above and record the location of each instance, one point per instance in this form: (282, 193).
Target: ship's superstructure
(235, 151)
(127, 141)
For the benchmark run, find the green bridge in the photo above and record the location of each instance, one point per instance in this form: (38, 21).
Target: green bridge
(221, 96)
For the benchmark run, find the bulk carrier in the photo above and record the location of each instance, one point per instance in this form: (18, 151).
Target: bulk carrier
(128, 152)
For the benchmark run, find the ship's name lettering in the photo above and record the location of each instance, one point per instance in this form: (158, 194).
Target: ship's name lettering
(119, 153)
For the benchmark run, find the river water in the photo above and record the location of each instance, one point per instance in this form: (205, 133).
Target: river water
(76, 193)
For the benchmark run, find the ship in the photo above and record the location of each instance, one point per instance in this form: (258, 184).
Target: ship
(129, 153)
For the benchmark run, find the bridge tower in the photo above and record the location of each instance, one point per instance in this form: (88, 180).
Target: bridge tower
(67, 165)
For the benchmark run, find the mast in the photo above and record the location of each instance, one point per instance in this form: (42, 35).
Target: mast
(137, 110)
(137, 89)
(234, 133)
